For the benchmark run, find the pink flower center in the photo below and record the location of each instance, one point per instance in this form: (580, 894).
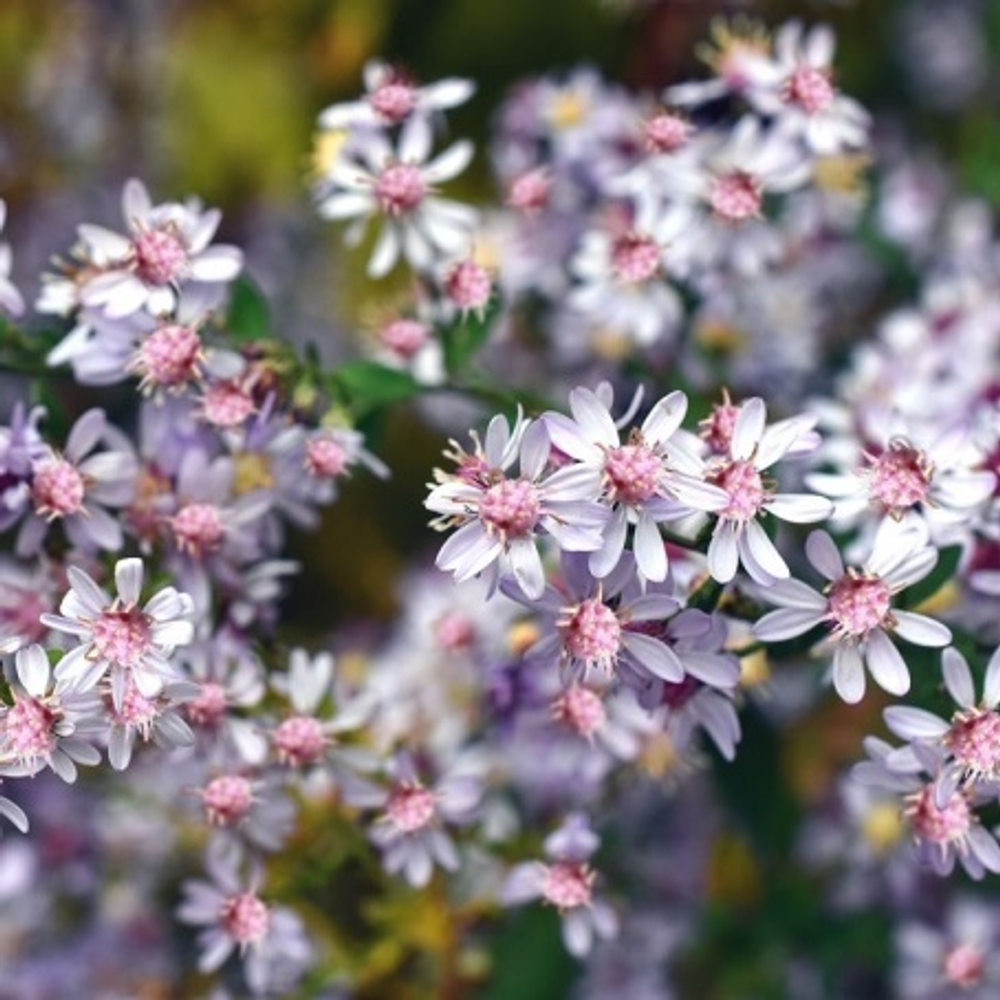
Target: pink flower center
(567, 885)
(857, 604)
(244, 918)
(742, 482)
(634, 258)
(209, 707)
(400, 188)
(964, 966)
(511, 508)
(410, 807)
(666, 133)
(227, 799)
(939, 826)
(632, 472)
(735, 197)
(121, 636)
(899, 478)
(137, 711)
(393, 101)
(159, 256)
(582, 709)
(169, 355)
(197, 528)
(530, 192)
(591, 632)
(809, 88)
(226, 404)
(454, 632)
(300, 740)
(717, 429)
(404, 337)
(326, 458)
(57, 488)
(974, 740)
(469, 286)
(27, 729)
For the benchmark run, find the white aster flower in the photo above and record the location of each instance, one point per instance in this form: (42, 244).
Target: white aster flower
(857, 608)
(118, 636)
(397, 184)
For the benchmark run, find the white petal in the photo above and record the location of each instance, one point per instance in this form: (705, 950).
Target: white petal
(450, 163)
(848, 674)
(748, 429)
(991, 684)
(664, 418)
(824, 555)
(655, 656)
(128, 579)
(921, 630)
(593, 417)
(958, 678)
(650, 552)
(786, 623)
(723, 552)
(799, 508)
(910, 723)
(33, 670)
(763, 551)
(527, 566)
(886, 664)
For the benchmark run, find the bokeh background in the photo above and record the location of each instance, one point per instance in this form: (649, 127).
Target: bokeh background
(218, 98)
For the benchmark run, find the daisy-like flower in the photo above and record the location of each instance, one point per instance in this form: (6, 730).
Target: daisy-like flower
(647, 480)
(805, 101)
(588, 623)
(942, 834)
(235, 919)
(166, 246)
(11, 300)
(566, 881)
(397, 185)
(970, 740)
(76, 486)
(410, 831)
(856, 607)
(43, 726)
(118, 637)
(148, 717)
(500, 517)
(738, 537)
(391, 97)
(20, 447)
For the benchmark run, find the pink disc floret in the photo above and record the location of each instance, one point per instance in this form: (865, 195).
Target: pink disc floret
(591, 632)
(227, 404)
(964, 966)
(244, 918)
(974, 741)
(27, 729)
(209, 707)
(899, 478)
(400, 188)
(949, 824)
(455, 632)
(137, 711)
(666, 132)
(735, 197)
(511, 508)
(300, 740)
(169, 356)
(632, 473)
(530, 192)
(326, 458)
(227, 799)
(634, 258)
(468, 286)
(160, 256)
(57, 488)
(198, 528)
(393, 101)
(121, 636)
(810, 89)
(410, 807)
(741, 480)
(858, 603)
(567, 885)
(581, 709)
(404, 337)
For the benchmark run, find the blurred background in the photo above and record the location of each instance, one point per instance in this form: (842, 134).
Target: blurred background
(218, 98)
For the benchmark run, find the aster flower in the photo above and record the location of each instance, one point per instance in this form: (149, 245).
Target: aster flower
(500, 518)
(738, 536)
(154, 717)
(566, 881)
(397, 184)
(77, 486)
(20, 447)
(410, 831)
(805, 101)
(942, 834)
(44, 724)
(970, 740)
(235, 919)
(391, 97)
(119, 638)
(252, 809)
(648, 480)
(165, 247)
(857, 609)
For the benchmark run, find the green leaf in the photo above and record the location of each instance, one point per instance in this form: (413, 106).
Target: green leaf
(530, 959)
(368, 385)
(466, 335)
(249, 317)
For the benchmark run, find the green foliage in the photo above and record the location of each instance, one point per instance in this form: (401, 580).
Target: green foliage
(365, 386)
(463, 338)
(249, 315)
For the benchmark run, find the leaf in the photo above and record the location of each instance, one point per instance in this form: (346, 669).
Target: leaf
(529, 958)
(249, 316)
(368, 385)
